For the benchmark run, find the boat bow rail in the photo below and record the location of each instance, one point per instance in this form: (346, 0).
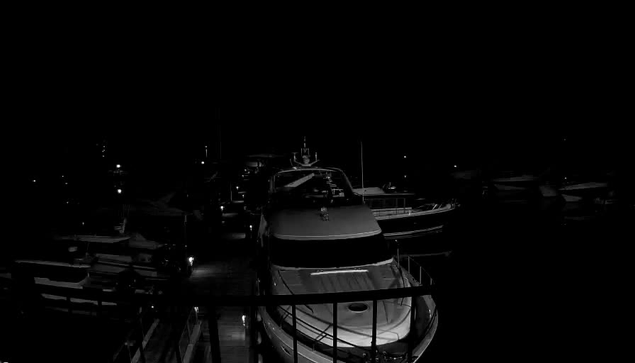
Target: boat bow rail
(180, 299)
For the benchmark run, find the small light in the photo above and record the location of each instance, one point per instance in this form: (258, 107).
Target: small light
(244, 320)
(202, 163)
(34, 180)
(251, 227)
(237, 187)
(151, 306)
(221, 208)
(65, 183)
(67, 202)
(62, 176)
(118, 166)
(191, 260)
(404, 156)
(118, 191)
(196, 309)
(405, 176)
(82, 223)
(455, 166)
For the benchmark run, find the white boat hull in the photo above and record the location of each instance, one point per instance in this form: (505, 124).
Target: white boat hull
(569, 198)
(583, 186)
(282, 342)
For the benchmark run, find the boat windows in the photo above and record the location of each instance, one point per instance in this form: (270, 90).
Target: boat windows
(329, 253)
(376, 203)
(390, 203)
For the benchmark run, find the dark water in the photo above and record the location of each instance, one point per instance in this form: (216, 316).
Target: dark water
(520, 284)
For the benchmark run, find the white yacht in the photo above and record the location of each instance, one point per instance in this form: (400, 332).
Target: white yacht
(319, 237)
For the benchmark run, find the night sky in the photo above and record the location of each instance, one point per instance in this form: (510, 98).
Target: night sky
(454, 95)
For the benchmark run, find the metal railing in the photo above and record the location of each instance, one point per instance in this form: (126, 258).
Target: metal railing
(415, 270)
(184, 338)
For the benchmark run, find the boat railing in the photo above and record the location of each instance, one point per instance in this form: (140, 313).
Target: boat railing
(185, 336)
(392, 211)
(415, 270)
(189, 335)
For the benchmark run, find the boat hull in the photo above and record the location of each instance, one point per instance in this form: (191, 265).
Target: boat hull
(282, 342)
(413, 224)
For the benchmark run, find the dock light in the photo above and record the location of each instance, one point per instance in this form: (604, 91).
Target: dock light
(221, 208)
(251, 227)
(455, 166)
(190, 260)
(244, 319)
(405, 176)
(34, 180)
(118, 191)
(118, 166)
(65, 183)
(237, 187)
(196, 309)
(404, 156)
(202, 163)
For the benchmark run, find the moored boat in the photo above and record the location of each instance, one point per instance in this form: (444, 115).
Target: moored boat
(317, 236)
(404, 215)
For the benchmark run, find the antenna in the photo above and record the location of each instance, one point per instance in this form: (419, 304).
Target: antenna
(361, 147)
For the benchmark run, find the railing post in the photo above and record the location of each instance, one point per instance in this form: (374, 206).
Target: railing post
(176, 336)
(142, 353)
(335, 332)
(373, 343)
(409, 265)
(412, 324)
(187, 325)
(214, 339)
(295, 335)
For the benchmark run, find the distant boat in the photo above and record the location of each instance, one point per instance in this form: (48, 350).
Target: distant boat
(510, 180)
(404, 215)
(511, 185)
(579, 192)
(466, 175)
(66, 276)
(116, 254)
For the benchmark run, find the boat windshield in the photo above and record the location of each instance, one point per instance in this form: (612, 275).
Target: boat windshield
(329, 253)
(312, 184)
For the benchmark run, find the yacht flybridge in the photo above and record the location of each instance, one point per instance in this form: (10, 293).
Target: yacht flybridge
(317, 236)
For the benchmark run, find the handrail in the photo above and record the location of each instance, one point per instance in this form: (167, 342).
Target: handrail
(413, 266)
(212, 301)
(189, 299)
